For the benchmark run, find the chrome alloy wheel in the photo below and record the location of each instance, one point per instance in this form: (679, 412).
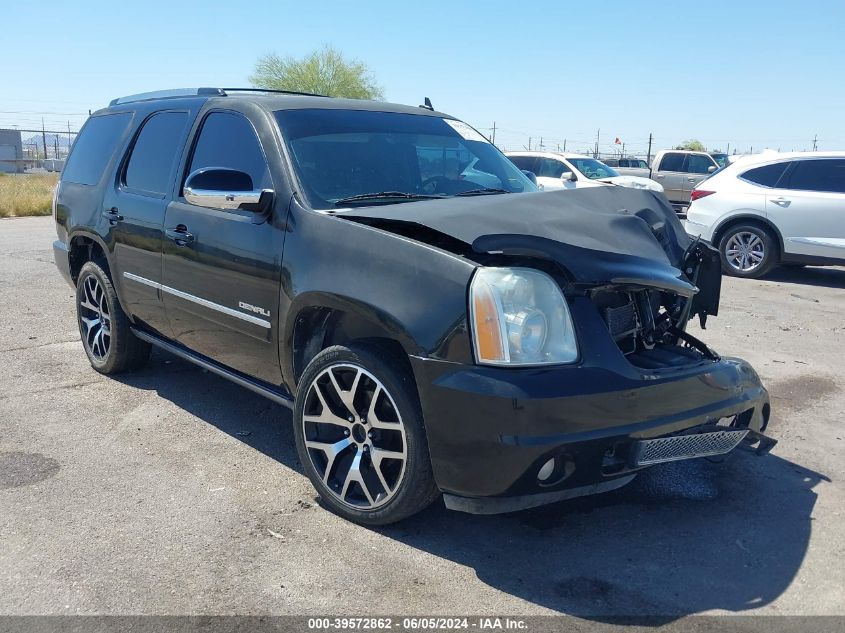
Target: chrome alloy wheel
(95, 319)
(354, 436)
(745, 251)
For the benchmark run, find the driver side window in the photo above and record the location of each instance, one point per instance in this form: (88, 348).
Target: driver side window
(227, 139)
(550, 168)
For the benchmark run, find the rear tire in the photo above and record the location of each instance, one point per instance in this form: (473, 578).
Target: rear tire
(360, 436)
(748, 250)
(103, 325)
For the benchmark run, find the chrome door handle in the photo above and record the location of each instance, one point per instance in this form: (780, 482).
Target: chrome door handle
(179, 235)
(782, 202)
(112, 216)
(691, 179)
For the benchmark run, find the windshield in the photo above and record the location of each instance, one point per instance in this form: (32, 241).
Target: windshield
(341, 154)
(592, 168)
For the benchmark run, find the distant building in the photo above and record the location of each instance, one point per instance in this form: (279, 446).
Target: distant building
(11, 152)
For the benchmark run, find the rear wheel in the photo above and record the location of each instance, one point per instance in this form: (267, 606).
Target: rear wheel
(360, 437)
(748, 250)
(103, 325)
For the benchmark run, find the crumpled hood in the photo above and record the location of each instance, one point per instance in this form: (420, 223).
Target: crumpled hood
(635, 182)
(598, 234)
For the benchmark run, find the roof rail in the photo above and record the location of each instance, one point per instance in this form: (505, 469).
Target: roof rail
(273, 91)
(200, 92)
(169, 94)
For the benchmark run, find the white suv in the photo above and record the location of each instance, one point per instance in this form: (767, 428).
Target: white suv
(773, 208)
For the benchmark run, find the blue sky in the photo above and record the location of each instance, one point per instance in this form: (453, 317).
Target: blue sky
(752, 74)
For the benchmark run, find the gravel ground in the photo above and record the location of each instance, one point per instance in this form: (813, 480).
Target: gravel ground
(171, 491)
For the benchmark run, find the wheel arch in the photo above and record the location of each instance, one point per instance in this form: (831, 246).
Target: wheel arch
(747, 218)
(320, 320)
(84, 246)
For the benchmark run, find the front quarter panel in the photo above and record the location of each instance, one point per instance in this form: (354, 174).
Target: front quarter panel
(413, 293)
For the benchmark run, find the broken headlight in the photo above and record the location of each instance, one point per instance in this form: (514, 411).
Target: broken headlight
(519, 317)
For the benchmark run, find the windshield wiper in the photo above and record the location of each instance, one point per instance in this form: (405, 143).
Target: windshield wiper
(385, 195)
(482, 192)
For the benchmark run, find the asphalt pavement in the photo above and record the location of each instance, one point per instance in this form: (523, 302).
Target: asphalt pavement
(172, 491)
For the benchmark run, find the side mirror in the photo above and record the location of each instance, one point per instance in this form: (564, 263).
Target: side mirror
(568, 176)
(711, 169)
(530, 175)
(222, 188)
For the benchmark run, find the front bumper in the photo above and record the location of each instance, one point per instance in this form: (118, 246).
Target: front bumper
(490, 430)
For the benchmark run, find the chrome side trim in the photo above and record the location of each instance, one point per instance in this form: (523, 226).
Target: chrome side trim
(199, 300)
(276, 396)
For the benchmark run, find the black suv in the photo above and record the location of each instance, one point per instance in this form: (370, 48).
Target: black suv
(432, 333)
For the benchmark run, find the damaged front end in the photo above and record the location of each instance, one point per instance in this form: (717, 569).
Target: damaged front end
(640, 391)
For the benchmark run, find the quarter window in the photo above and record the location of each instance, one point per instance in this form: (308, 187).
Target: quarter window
(822, 174)
(94, 147)
(767, 175)
(227, 139)
(528, 163)
(150, 166)
(672, 162)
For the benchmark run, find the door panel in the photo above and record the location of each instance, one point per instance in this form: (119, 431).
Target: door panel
(221, 289)
(135, 210)
(697, 166)
(809, 207)
(672, 175)
(221, 268)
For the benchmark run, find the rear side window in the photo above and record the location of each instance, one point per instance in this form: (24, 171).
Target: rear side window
(528, 163)
(612, 162)
(151, 164)
(767, 175)
(227, 139)
(822, 174)
(697, 164)
(95, 147)
(672, 162)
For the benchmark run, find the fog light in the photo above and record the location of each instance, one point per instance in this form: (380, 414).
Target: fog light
(547, 470)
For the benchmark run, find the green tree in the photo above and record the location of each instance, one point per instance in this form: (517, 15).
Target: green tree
(324, 72)
(693, 144)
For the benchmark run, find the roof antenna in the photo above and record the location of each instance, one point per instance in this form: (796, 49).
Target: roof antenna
(427, 105)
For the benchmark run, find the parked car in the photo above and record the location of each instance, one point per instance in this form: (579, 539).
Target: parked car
(556, 170)
(679, 171)
(626, 163)
(773, 208)
(503, 347)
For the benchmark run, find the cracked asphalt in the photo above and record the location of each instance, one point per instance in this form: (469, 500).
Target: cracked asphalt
(171, 491)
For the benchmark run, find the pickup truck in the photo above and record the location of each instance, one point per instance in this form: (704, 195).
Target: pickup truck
(679, 171)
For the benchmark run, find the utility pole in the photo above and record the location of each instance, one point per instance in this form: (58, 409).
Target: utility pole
(564, 145)
(529, 143)
(493, 137)
(598, 136)
(56, 146)
(815, 145)
(648, 156)
(68, 139)
(44, 137)
(728, 151)
(541, 144)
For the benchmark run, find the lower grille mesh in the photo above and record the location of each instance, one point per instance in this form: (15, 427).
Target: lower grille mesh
(677, 447)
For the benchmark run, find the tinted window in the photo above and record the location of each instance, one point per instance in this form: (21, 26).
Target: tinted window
(672, 162)
(94, 147)
(819, 175)
(155, 151)
(697, 164)
(528, 163)
(228, 140)
(612, 162)
(550, 168)
(767, 175)
(339, 154)
(641, 164)
(593, 168)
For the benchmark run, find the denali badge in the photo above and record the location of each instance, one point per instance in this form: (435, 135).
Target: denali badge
(252, 308)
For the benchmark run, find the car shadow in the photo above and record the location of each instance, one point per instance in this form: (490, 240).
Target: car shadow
(829, 277)
(681, 539)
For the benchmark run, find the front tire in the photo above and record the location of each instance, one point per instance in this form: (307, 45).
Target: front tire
(360, 436)
(103, 325)
(748, 250)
